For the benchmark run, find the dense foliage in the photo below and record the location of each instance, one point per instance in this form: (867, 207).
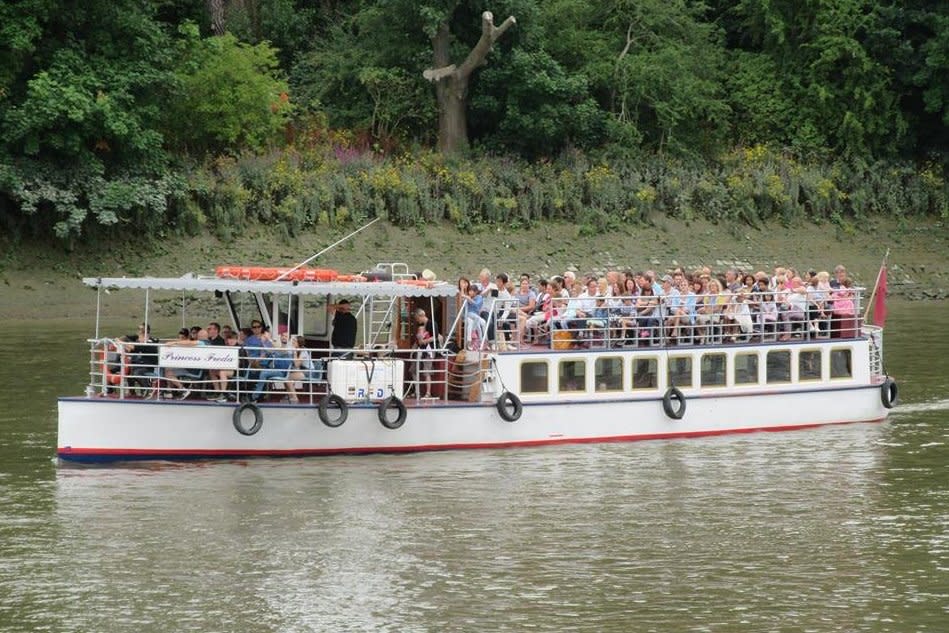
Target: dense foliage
(183, 114)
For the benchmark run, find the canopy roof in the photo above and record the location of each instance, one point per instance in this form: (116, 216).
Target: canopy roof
(210, 284)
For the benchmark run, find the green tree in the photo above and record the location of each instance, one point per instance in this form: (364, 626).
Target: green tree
(830, 94)
(655, 65)
(81, 94)
(228, 95)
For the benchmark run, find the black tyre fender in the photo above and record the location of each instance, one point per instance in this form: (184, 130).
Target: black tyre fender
(385, 405)
(889, 393)
(238, 418)
(509, 406)
(673, 393)
(331, 399)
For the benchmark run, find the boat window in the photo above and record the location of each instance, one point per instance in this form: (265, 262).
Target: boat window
(841, 365)
(609, 374)
(779, 366)
(573, 375)
(713, 370)
(746, 369)
(645, 373)
(680, 371)
(809, 365)
(535, 377)
(314, 315)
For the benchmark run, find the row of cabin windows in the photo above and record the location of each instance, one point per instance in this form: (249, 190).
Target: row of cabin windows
(714, 368)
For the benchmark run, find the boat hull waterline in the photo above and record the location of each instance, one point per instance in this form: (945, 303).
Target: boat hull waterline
(104, 430)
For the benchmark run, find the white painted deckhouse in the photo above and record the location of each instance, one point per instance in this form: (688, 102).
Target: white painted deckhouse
(579, 380)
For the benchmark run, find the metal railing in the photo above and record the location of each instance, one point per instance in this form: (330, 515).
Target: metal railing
(649, 321)
(129, 370)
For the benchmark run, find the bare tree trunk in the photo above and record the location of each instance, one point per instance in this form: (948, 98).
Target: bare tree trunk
(217, 14)
(451, 82)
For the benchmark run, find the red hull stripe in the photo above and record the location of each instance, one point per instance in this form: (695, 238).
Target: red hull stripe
(71, 452)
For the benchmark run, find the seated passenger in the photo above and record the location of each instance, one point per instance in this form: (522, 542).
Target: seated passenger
(796, 307)
(647, 312)
(541, 314)
(843, 321)
(221, 377)
(144, 353)
(281, 358)
(526, 306)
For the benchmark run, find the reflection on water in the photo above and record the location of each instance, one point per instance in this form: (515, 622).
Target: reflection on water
(832, 529)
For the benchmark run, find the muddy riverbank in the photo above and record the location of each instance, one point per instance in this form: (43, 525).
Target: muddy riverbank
(40, 281)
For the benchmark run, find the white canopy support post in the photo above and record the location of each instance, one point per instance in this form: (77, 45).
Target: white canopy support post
(98, 306)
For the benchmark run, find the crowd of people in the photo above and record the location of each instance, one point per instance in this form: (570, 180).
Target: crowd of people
(262, 358)
(636, 308)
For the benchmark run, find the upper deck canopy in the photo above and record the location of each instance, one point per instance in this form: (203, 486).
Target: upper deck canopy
(210, 284)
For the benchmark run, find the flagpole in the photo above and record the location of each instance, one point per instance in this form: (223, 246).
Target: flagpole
(876, 285)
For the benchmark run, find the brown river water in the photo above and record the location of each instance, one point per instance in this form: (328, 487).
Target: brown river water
(831, 529)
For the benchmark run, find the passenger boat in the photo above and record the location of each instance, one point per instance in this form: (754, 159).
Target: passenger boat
(579, 384)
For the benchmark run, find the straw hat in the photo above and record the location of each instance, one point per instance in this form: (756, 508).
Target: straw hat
(428, 275)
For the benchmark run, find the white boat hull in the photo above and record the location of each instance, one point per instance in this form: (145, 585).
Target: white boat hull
(104, 429)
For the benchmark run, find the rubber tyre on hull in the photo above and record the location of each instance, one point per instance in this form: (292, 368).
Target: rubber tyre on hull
(238, 418)
(331, 399)
(673, 393)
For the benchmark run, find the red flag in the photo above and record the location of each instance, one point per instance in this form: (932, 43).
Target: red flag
(879, 303)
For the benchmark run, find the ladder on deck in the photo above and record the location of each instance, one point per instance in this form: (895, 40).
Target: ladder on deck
(381, 311)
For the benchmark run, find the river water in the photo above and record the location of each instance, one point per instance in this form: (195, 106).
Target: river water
(832, 529)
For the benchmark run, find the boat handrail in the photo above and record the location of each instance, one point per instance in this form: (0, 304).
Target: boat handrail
(610, 322)
(125, 369)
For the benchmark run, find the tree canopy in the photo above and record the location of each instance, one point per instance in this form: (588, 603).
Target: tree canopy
(107, 106)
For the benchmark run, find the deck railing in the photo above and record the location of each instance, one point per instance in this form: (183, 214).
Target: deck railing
(122, 369)
(613, 322)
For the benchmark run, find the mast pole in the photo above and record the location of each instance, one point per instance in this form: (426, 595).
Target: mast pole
(876, 284)
(331, 246)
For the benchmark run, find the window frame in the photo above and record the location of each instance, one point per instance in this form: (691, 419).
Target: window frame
(520, 377)
(791, 366)
(586, 374)
(692, 364)
(622, 374)
(702, 384)
(830, 362)
(632, 372)
(733, 374)
(797, 365)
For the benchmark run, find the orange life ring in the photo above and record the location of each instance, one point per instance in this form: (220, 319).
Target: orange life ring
(271, 273)
(423, 283)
